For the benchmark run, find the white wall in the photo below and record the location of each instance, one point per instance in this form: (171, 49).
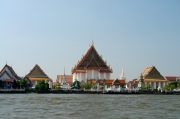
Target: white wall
(91, 74)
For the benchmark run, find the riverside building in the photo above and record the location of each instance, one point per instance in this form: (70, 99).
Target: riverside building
(91, 67)
(152, 78)
(37, 74)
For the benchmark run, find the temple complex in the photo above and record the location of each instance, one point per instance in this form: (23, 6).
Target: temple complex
(91, 67)
(8, 77)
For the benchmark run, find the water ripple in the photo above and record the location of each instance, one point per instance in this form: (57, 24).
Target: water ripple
(28, 106)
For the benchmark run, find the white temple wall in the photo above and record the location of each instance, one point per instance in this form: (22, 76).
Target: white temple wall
(74, 76)
(95, 74)
(91, 74)
(104, 75)
(80, 79)
(88, 75)
(108, 76)
(83, 76)
(101, 76)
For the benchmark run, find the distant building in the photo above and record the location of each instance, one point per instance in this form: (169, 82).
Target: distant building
(65, 79)
(37, 74)
(132, 85)
(153, 78)
(172, 78)
(112, 85)
(8, 77)
(91, 67)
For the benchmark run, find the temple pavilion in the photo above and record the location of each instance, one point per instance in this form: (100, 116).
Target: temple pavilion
(8, 77)
(91, 67)
(37, 74)
(152, 77)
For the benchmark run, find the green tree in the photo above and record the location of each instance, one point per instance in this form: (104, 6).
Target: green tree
(76, 85)
(42, 87)
(87, 85)
(146, 87)
(178, 85)
(171, 86)
(21, 84)
(57, 86)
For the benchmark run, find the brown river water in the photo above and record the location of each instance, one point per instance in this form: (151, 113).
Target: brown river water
(78, 106)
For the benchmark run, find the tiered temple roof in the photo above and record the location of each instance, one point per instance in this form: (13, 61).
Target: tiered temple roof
(92, 60)
(8, 74)
(37, 72)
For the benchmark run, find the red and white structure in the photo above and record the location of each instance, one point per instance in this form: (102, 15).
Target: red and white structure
(91, 67)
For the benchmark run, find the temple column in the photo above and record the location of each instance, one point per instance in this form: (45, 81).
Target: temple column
(93, 74)
(154, 85)
(159, 85)
(74, 77)
(86, 75)
(99, 76)
(96, 74)
(150, 83)
(164, 84)
(109, 76)
(77, 76)
(80, 76)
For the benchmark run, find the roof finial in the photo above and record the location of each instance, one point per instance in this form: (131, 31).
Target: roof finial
(6, 62)
(92, 43)
(64, 71)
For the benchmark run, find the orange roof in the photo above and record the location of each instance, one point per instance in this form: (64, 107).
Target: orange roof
(38, 79)
(148, 70)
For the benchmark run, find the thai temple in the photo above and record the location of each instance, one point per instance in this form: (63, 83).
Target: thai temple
(91, 67)
(7, 77)
(151, 77)
(37, 74)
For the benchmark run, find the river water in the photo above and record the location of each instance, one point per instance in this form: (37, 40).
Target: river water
(61, 106)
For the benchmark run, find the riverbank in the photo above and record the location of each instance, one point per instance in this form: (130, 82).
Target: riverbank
(23, 91)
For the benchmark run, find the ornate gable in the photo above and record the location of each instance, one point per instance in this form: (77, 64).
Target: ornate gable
(152, 73)
(116, 82)
(8, 73)
(92, 60)
(5, 76)
(37, 72)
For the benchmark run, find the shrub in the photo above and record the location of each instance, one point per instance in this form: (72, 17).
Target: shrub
(42, 87)
(87, 86)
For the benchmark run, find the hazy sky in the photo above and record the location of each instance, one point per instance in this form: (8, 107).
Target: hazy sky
(133, 34)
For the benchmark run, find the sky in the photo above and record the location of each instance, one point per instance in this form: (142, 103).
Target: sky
(129, 34)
